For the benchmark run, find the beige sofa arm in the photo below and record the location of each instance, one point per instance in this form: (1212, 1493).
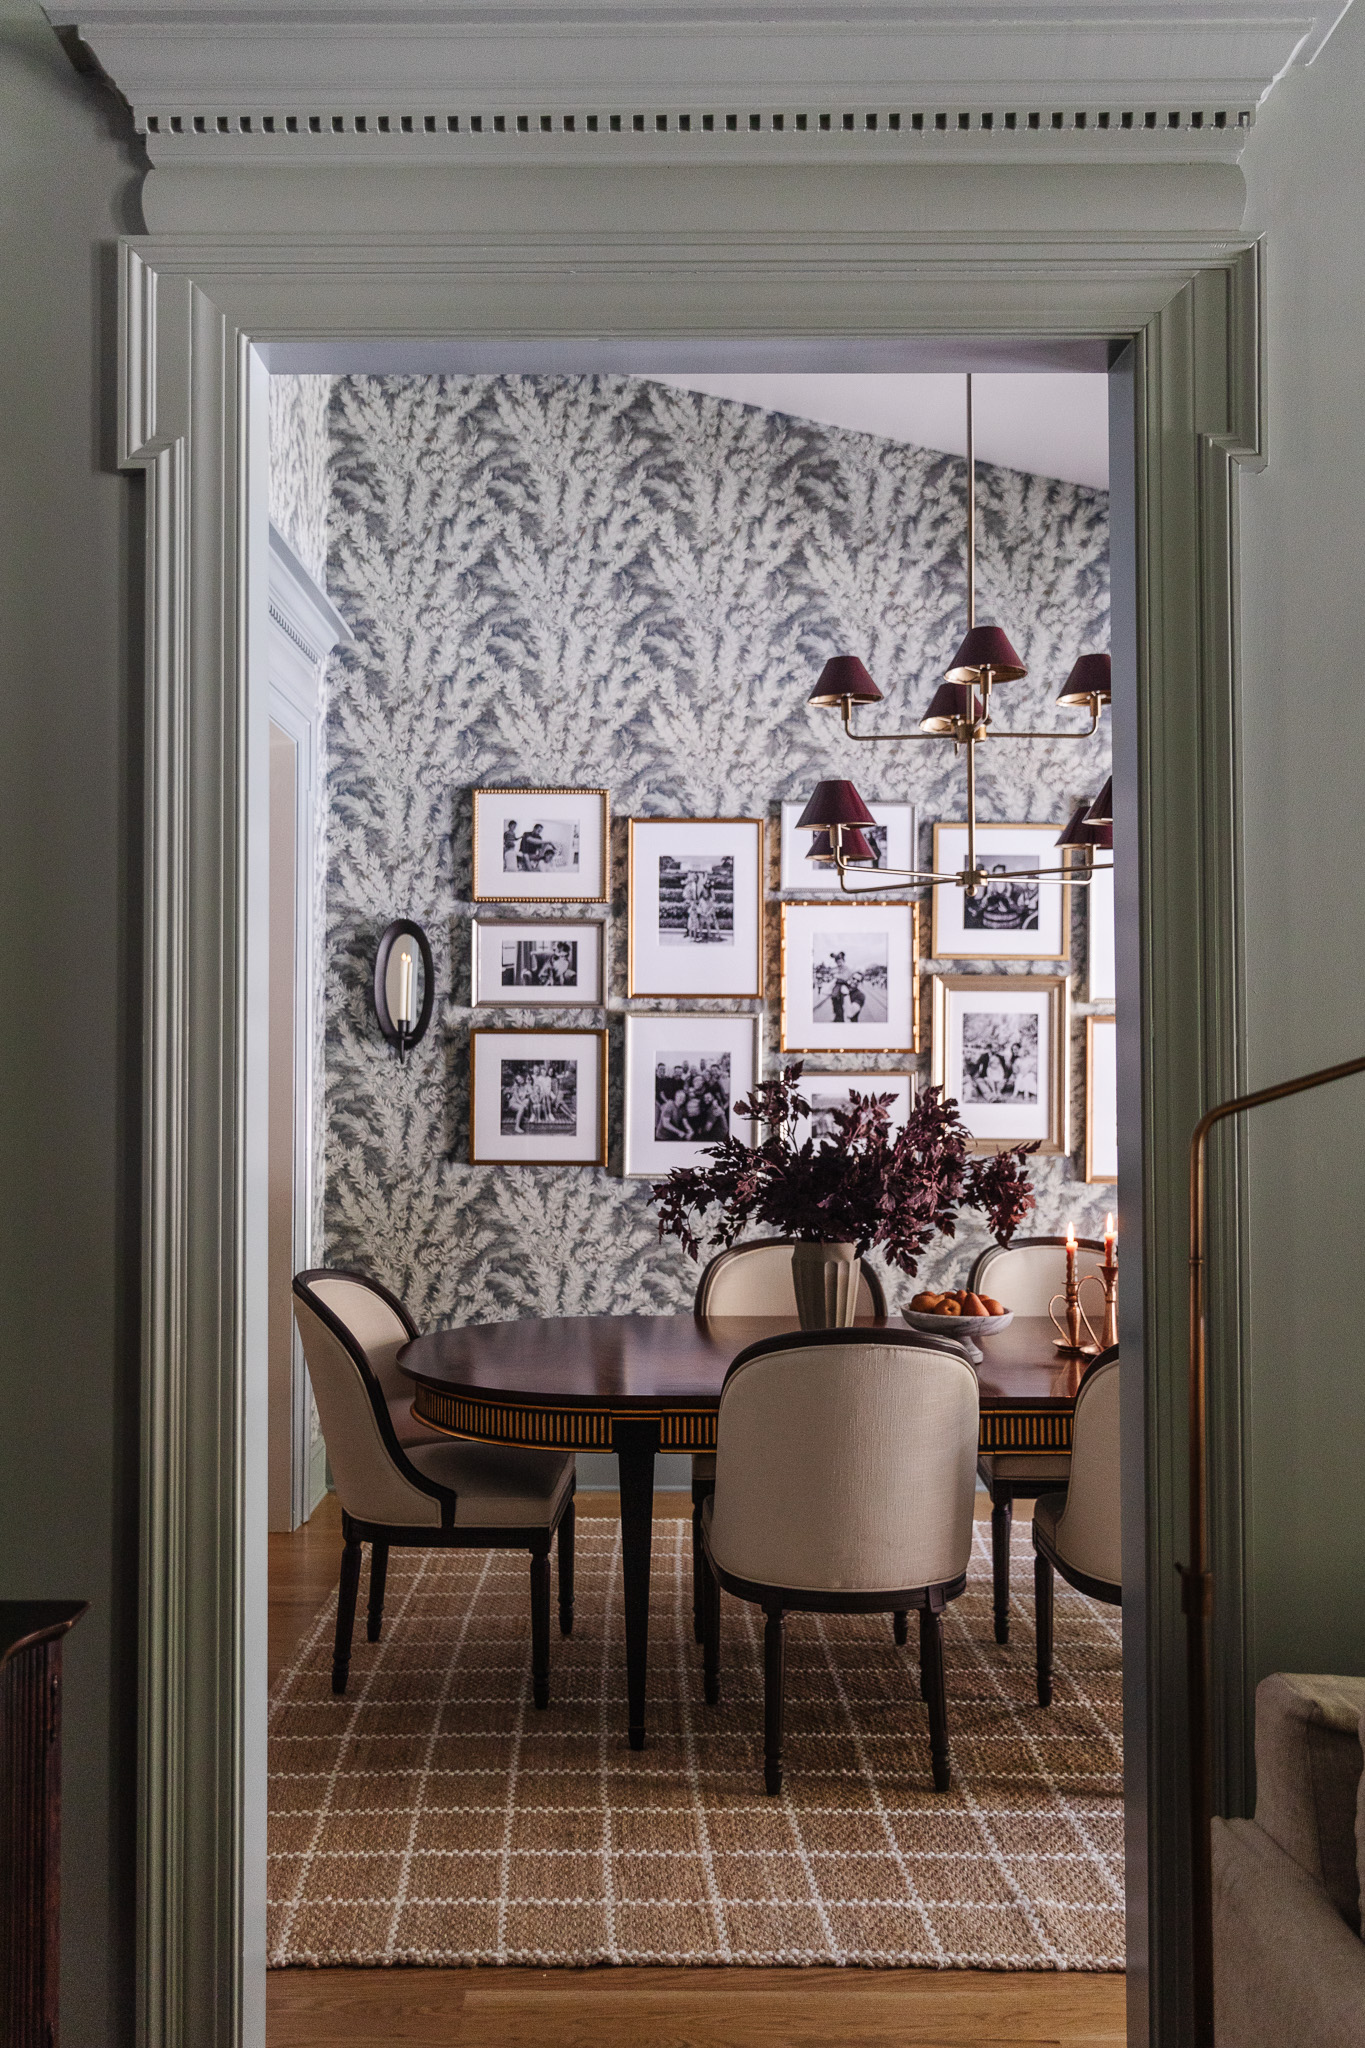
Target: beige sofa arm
(1308, 1773)
(1288, 1973)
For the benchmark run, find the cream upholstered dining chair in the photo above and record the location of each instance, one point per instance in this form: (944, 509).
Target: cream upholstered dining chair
(752, 1279)
(1079, 1533)
(845, 1478)
(1024, 1277)
(432, 1494)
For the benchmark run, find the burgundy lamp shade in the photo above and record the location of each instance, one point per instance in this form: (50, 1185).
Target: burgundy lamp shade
(1078, 832)
(949, 703)
(857, 849)
(1089, 678)
(821, 850)
(985, 647)
(843, 675)
(835, 803)
(1101, 812)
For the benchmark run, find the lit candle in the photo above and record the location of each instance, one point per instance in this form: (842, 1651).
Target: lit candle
(1070, 1255)
(1111, 1238)
(405, 987)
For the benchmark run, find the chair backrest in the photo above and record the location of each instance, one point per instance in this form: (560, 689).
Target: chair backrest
(756, 1280)
(338, 1314)
(1025, 1275)
(846, 1462)
(376, 1319)
(1089, 1528)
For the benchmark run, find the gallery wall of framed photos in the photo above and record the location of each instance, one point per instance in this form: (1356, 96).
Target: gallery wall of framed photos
(571, 741)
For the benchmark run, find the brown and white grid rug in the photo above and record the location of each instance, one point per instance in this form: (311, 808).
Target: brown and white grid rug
(432, 1816)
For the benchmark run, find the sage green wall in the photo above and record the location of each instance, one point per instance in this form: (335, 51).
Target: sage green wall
(69, 578)
(1303, 536)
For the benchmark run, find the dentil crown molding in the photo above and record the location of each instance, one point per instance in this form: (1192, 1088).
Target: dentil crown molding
(547, 82)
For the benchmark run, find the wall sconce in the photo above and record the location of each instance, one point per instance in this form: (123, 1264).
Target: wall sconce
(404, 984)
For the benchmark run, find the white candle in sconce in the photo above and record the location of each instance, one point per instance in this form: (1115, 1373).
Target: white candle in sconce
(405, 1012)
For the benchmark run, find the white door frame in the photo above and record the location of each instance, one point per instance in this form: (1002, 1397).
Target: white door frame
(194, 311)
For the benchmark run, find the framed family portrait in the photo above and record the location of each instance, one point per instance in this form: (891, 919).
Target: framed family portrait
(1011, 919)
(684, 1075)
(515, 962)
(827, 1093)
(696, 907)
(1101, 982)
(540, 846)
(1101, 1099)
(1000, 1052)
(538, 1098)
(893, 839)
(848, 977)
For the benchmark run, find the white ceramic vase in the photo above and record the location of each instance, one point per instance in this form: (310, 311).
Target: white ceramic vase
(826, 1280)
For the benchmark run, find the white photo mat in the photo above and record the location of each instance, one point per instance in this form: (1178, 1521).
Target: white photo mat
(1101, 978)
(825, 1092)
(895, 841)
(695, 908)
(1001, 1049)
(684, 1074)
(848, 975)
(537, 1098)
(540, 845)
(517, 962)
(1009, 920)
(1101, 1099)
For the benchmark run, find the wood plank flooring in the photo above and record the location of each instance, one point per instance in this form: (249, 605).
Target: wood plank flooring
(647, 2008)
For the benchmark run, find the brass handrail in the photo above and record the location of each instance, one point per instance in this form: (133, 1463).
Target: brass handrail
(1196, 1578)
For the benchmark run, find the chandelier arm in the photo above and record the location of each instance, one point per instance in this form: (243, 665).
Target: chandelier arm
(851, 734)
(1060, 734)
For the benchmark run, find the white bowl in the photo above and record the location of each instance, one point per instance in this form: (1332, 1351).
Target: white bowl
(961, 1328)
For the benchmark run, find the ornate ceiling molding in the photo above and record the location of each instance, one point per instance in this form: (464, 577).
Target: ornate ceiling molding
(546, 82)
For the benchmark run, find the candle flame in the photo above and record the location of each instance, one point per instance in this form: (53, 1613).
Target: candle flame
(1071, 1237)
(1109, 1229)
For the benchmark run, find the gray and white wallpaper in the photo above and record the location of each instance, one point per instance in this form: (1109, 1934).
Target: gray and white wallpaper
(600, 580)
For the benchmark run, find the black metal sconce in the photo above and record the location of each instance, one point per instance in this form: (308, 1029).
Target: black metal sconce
(404, 984)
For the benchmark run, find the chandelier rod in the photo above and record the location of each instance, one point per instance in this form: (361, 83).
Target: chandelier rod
(971, 510)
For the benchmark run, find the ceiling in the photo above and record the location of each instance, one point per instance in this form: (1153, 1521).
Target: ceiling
(1048, 424)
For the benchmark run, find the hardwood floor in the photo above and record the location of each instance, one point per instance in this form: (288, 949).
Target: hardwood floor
(629, 2008)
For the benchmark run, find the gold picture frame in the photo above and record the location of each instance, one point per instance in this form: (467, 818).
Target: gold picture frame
(645, 985)
(950, 902)
(1049, 993)
(505, 1156)
(793, 1022)
(486, 871)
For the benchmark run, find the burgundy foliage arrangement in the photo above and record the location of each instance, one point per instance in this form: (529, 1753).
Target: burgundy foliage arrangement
(859, 1186)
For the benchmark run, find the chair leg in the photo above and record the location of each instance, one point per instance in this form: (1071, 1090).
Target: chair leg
(924, 1653)
(379, 1572)
(772, 1702)
(540, 1625)
(1002, 1521)
(346, 1598)
(931, 1635)
(900, 1626)
(566, 1536)
(1043, 1590)
(710, 1616)
(701, 1488)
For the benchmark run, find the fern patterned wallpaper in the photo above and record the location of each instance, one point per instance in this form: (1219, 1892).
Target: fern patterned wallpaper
(603, 580)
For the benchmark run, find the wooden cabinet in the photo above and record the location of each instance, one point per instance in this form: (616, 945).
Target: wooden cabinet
(31, 1633)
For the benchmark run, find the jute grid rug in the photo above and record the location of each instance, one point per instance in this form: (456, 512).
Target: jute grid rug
(432, 1816)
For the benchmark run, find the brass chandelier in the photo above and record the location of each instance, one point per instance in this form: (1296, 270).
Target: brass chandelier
(959, 712)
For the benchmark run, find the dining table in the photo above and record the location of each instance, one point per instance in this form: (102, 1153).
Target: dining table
(639, 1385)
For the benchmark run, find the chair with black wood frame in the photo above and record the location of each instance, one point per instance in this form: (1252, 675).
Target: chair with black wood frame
(1023, 1277)
(1079, 1532)
(434, 1494)
(845, 1478)
(753, 1279)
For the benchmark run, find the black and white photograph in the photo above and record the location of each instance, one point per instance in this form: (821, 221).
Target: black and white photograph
(691, 1097)
(684, 1075)
(538, 1098)
(516, 962)
(697, 899)
(544, 846)
(848, 977)
(1000, 1052)
(1018, 913)
(540, 845)
(892, 837)
(695, 907)
(999, 1056)
(829, 1093)
(1006, 903)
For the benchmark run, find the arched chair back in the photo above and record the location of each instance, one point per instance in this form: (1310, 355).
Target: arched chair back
(378, 1322)
(340, 1315)
(1025, 1275)
(756, 1280)
(1088, 1532)
(845, 1463)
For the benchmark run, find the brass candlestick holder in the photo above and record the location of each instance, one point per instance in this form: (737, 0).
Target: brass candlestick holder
(1076, 1336)
(1109, 1280)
